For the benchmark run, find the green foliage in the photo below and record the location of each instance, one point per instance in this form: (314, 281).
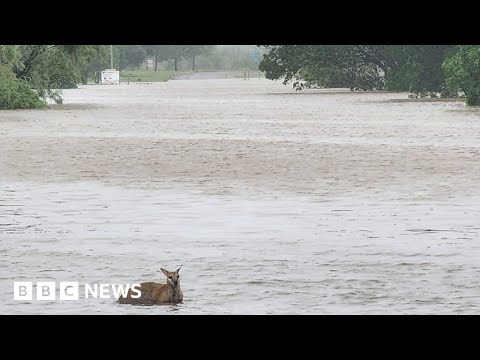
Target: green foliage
(414, 68)
(29, 74)
(418, 69)
(462, 72)
(90, 60)
(45, 68)
(355, 67)
(15, 93)
(10, 56)
(53, 70)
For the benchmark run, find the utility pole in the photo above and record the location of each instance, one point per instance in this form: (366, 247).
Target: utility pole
(111, 56)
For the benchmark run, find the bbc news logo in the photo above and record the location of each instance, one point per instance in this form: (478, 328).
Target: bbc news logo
(70, 290)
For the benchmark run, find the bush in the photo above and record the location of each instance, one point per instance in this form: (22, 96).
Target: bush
(15, 93)
(63, 82)
(462, 73)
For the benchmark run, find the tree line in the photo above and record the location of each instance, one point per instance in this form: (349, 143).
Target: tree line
(422, 70)
(95, 58)
(29, 74)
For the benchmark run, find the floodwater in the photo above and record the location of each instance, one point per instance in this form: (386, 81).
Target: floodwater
(272, 201)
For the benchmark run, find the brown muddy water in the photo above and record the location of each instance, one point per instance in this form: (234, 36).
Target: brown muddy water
(271, 201)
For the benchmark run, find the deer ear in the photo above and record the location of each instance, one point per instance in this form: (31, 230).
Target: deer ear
(178, 269)
(164, 271)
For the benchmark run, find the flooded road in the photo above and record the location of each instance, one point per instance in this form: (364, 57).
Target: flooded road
(271, 201)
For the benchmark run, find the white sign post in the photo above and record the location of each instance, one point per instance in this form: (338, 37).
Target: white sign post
(110, 77)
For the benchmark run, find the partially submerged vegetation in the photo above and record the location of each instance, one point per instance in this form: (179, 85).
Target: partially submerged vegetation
(426, 71)
(15, 93)
(31, 74)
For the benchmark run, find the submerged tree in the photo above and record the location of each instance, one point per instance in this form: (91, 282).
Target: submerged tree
(414, 68)
(418, 69)
(46, 69)
(35, 71)
(323, 65)
(462, 71)
(15, 93)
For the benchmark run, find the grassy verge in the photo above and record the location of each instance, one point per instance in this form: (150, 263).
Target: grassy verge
(146, 76)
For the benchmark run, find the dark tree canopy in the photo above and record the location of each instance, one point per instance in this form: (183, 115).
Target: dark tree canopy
(414, 68)
(462, 72)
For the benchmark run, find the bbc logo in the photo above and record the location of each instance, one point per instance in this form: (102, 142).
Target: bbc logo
(46, 290)
(68, 290)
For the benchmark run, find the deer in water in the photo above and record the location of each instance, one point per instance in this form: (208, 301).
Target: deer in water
(155, 293)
